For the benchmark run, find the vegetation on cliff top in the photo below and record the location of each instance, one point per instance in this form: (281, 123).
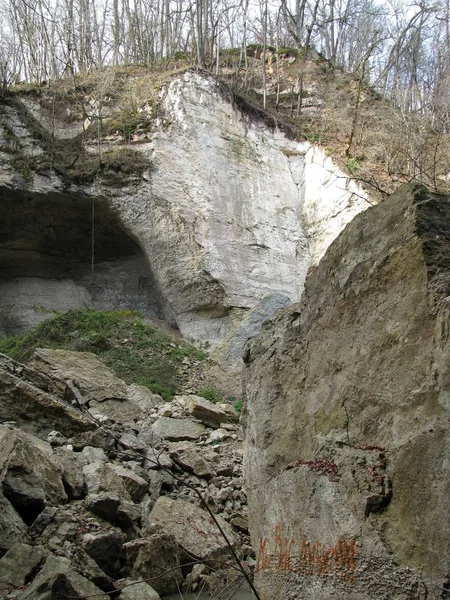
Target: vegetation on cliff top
(135, 350)
(371, 138)
(368, 80)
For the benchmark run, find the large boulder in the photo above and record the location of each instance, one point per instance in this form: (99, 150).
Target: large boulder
(101, 477)
(57, 580)
(193, 528)
(12, 528)
(19, 564)
(347, 436)
(94, 380)
(30, 480)
(156, 559)
(205, 411)
(24, 399)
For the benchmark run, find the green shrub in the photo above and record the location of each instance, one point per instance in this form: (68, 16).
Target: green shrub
(136, 351)
(352, 165)
(238, 405)
(210, 394)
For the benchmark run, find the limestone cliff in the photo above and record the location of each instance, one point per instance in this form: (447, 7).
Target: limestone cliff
(228, 211)
(347, 441)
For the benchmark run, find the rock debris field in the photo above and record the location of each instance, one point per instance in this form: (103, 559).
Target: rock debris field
(105, 486)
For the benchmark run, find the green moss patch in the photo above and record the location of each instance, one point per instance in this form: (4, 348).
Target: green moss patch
(135, 350)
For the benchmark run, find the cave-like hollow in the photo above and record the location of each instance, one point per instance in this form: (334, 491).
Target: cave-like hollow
(61, 251)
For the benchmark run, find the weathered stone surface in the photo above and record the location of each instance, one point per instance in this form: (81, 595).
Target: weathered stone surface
(347, 437)
(240, 522)
(219, 435)
(94, 380)
(12, 528)
(249, 237)
(91, 454)
(106, 548)
(135, 485)
(230, 351)
(72, 465)
(57, 580)
(143, 397)
(122, 411)
(34, 410)
(157, 459)
(44, 519)
(104, 505)
(205, 411)
(130, 442)
(175, 430)
(232, 413)
(19, 563)
(192, 527)
(86, 566)
(30, 479)
(137, 590)
(192, 461)
(24, 372)
(155, 558)
(101, 477)
(100, 438)
(110, 507)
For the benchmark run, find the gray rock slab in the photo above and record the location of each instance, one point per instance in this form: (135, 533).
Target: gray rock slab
(19, 563)
(86, 566)
(57, 580)
(30, 479)
(156, 558)
(104, 505)
(177, 429)
(143, 397)
(192, 461)
(37, 411)
(131, 442)
(72, 465)
(135, 485)
(122, 410)
(208, 413)
(137, 590)
(157, 459)
(193, 528)
(94, 380)
(106, 548)
(101, 477)
(12, 529)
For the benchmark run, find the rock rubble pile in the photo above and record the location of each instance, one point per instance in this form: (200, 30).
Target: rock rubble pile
(109, 491)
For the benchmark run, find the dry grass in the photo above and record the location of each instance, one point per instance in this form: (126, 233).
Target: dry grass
(388, 148)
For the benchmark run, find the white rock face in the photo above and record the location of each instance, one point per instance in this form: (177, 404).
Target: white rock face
(239, 210)
(230, 212)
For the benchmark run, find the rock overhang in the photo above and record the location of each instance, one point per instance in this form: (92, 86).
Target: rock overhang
(231, 210)
(56, 235)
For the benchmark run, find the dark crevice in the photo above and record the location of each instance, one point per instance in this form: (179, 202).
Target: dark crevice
(27, 500)
(50, 235)
(61, 251)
